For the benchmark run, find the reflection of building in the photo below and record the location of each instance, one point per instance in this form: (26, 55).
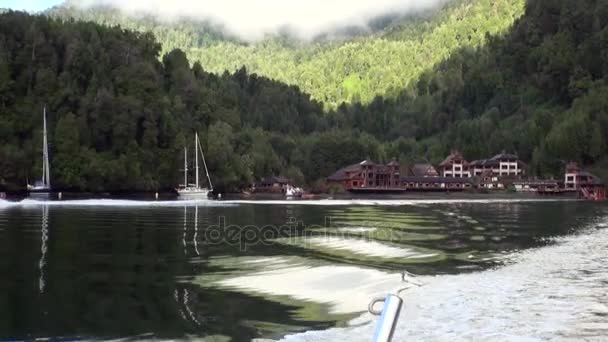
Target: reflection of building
(455, 166)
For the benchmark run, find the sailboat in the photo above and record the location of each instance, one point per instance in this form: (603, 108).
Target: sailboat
(192, 191)
(43, 186)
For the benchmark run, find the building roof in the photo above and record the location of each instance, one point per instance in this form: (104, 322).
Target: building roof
(447, 180)
(572, 167)
(504, 155)
(484, 163)
(594, 179)
(367, 162)
(393, 163)
(345, 172)
(423, 169)
(453, 156)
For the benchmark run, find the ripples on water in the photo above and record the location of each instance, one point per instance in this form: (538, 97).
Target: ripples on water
(81, 269)
(550, 293)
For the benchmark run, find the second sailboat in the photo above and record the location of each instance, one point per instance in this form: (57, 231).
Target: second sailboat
(194, 191)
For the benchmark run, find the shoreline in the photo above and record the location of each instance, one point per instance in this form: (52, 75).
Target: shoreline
(147, 195)
(413, 195)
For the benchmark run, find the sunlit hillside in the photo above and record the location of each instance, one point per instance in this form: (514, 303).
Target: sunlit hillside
(356, 68)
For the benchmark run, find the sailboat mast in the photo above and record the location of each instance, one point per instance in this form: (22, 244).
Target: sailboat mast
(46, 172)
(205, 164)
(185, 167)
(196, 157)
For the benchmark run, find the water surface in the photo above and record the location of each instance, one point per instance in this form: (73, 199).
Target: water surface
(241, 270)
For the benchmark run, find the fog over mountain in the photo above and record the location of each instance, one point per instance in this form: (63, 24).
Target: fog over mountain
(252, 19)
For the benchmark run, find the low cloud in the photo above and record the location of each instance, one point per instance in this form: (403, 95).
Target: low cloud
(252, 19)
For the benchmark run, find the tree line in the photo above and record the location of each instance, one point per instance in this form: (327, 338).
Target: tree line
(120, 114)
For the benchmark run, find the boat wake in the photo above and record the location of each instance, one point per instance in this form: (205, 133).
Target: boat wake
(113, 203)
(551, 293)
(205, 202)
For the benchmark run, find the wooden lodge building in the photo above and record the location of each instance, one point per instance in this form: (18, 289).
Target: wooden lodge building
(455, 173)
(455, 166)
(368, 176)
(272, 184)
(588, 185)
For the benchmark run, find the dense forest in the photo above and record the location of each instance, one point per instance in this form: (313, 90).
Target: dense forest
(120, 117)
(122, 108)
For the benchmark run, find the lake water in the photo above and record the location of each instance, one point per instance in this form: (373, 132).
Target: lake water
(303, 271)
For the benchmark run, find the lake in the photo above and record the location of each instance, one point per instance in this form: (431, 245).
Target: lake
(304, 271)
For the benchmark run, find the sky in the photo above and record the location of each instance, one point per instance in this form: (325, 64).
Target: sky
(29, 5)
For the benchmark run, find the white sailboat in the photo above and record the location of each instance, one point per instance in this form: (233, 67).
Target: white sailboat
(192, 191)
(43, 186)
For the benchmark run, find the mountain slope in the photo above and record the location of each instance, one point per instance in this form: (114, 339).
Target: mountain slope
(332, 71)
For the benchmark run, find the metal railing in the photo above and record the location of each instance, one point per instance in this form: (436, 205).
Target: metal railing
(389, 315)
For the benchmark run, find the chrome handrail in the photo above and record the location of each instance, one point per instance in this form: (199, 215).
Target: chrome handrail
(389, 315)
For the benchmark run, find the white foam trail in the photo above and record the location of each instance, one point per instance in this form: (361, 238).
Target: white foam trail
(346, 289)
(113, 203)
(397, 202)
(7, 204)
(361, 246)
(181, 203)
(355, 230)
(550, 293)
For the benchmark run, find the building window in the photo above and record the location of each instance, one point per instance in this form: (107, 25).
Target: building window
(355, 183)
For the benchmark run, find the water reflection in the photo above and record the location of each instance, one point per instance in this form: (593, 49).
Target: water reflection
(44, 237)
(83, 272)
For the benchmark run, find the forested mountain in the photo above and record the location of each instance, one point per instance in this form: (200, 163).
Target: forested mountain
(332, 69)
(120, 116)
(121, 111)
